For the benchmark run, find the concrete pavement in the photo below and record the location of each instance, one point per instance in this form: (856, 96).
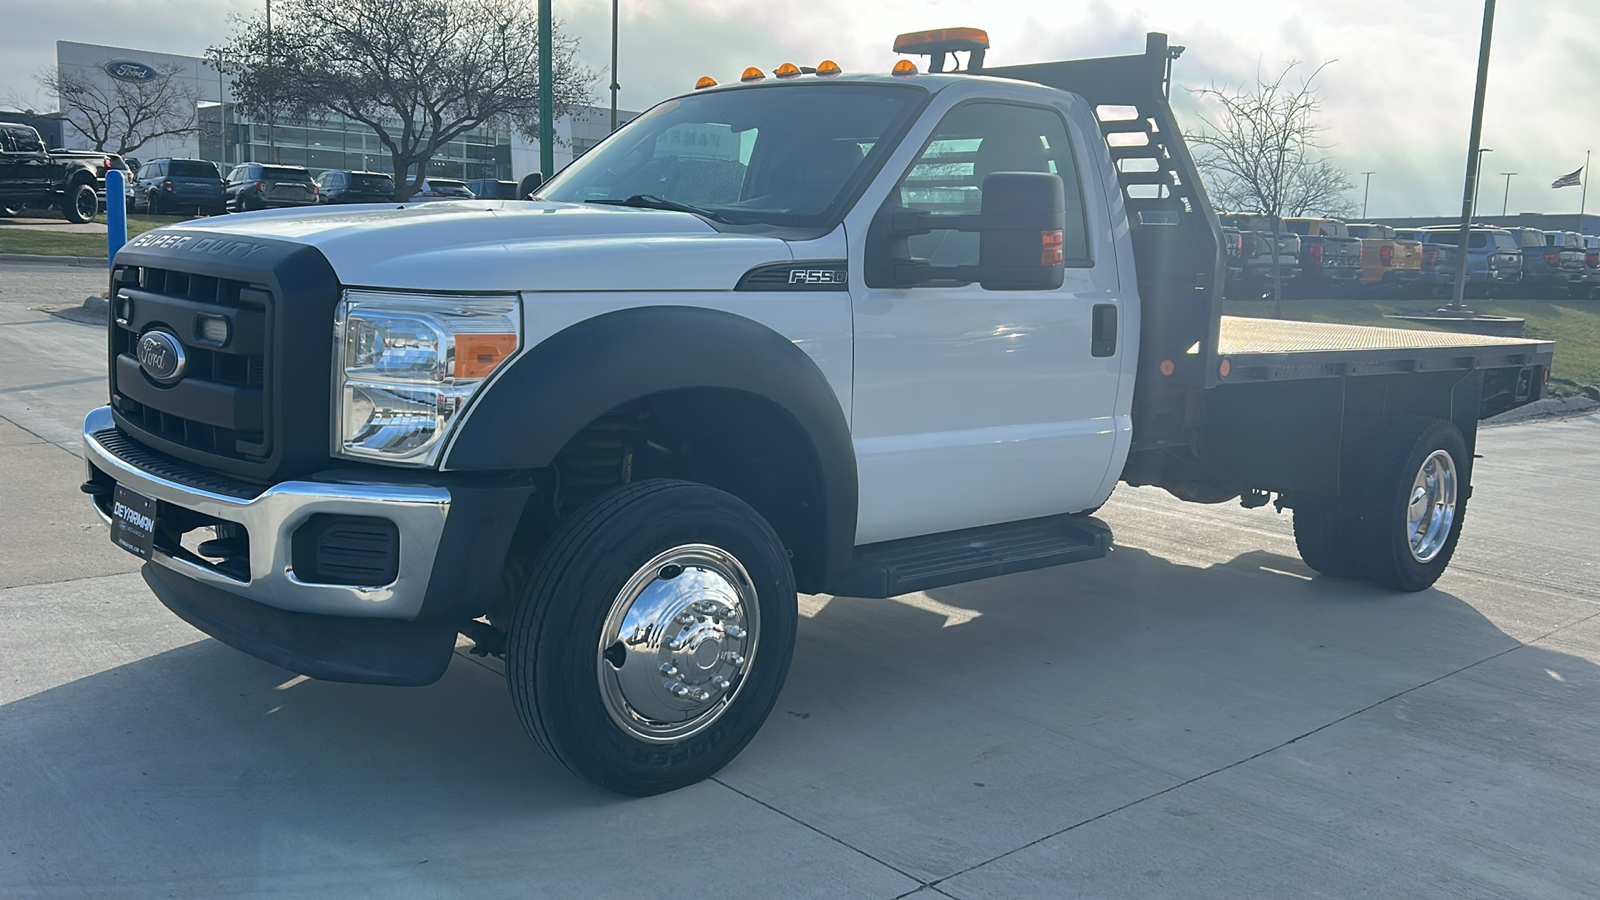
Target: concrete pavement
(1195, 716)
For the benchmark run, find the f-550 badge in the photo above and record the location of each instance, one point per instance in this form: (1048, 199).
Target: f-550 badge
(805, 275)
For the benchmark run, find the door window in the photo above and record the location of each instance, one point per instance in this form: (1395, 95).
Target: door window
(976, 140)
(23, 140)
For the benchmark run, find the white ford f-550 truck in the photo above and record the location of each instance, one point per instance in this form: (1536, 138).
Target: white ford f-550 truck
(852, 334)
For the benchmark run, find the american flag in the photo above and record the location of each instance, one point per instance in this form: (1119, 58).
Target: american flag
(1569, 180)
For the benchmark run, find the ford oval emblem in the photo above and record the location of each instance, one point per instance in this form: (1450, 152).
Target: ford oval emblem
(128, 70)
(161, 356)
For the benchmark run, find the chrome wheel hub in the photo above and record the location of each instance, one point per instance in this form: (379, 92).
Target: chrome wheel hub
(678, 643)
(1431, 511)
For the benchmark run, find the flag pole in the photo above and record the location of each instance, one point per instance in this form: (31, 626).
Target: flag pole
(1583, 199)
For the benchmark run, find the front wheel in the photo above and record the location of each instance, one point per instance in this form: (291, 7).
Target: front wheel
(80, 204)
(653, 636)
(1408, 503)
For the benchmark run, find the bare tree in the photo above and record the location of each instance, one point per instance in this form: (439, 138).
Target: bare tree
(419, 73)
(1258, 149)
(122, 116)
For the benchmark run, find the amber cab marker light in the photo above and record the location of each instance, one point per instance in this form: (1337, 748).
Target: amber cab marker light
(1167, 367)
(787, 70)
(1050, 255)
(904, 68)
(1224, 367)
(828, 68)
(752, 74)
(923, 41)
(705, 82)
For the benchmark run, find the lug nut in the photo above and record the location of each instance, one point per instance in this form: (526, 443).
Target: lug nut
(733, 631)
(702, 696)
(676, 690)
(669, 670)
(720, 683)
(732, 657)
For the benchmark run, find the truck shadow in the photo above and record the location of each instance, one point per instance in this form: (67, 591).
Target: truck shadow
(200, 765)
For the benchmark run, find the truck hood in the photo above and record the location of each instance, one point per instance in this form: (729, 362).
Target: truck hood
(497, 245)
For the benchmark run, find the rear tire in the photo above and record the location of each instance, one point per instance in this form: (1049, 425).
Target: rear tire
(1322, 534)
(80, 204)
(1408, 501)
(686, 584)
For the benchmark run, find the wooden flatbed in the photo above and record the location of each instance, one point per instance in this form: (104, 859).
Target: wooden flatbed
(1277, 349)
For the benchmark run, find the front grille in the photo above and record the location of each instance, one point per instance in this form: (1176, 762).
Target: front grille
(220, 405)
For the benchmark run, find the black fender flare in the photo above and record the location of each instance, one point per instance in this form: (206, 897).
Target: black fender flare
(550, 393)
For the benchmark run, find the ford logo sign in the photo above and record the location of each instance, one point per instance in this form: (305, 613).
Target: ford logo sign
(161, 356)
(128, 70)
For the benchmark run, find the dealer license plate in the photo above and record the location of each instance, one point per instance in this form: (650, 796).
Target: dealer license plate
(133, 522)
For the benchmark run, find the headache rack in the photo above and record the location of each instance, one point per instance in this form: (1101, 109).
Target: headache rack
(1176, 237)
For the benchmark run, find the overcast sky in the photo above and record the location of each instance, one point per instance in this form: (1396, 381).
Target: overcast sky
(1398, 100)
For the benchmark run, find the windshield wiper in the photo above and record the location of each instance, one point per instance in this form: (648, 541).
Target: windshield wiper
(651, 201)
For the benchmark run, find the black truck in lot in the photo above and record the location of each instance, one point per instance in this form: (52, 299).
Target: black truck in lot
(31, 176)
(913, 336)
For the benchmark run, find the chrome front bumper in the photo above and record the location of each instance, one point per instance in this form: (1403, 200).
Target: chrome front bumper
(270, 520)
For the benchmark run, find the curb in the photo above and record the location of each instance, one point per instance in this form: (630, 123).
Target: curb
(33, 259)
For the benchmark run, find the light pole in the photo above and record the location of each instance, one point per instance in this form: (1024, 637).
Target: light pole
(547, 127)
(1506, 200)
(1365, 193)
(1468, 190)
(615, 86)
(1477, 178)
(272, 141)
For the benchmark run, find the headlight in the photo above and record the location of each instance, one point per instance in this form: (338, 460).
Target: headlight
(406, 365)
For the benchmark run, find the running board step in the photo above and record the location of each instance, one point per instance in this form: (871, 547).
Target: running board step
(936, 560)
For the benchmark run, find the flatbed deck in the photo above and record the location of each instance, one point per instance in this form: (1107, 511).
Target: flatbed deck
(1277, 349)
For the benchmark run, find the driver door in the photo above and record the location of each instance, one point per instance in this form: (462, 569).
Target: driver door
(971, 406)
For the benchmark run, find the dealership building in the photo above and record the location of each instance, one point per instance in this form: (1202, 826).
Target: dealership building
(334, 142)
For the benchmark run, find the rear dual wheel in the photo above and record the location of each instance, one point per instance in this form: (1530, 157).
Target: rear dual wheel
(653, 636)
(80, 204)
(1400, 518)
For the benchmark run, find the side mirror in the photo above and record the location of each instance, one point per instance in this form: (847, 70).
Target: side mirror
(530, 183)
(1020, 241)
(1020, 238)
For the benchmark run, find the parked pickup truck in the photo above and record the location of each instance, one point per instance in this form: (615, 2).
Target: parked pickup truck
(1494, 260)
(1330, 259)
(914, 337)
(1387, 261)
(30, 176)
(1564, 251)
(1256, 278)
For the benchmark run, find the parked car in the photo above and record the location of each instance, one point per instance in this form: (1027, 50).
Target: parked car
(1494, 260)
(1564, 250)
(260, 186)
(1591, 264)
(442, 189)
(491, 189)
(344, 186)
(1388, 262)
(1438, 263)
(1256, 231)
(32, 176)
(177, 186)
(1330, 259)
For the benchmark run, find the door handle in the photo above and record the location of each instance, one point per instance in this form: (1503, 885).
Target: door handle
(1103, 334)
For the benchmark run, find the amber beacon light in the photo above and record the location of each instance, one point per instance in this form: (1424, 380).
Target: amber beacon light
(828, 69)
(905, 68)
(705, 82)
(752, 74)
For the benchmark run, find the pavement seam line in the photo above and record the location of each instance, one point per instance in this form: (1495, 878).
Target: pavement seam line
(845, 844)
(23, 428)
(1519, 645)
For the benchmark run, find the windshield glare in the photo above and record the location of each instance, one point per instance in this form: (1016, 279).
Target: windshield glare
(783, 155)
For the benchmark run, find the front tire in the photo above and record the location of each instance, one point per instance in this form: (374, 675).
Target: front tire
(80, 204)
(1409, 501)
(653, 636)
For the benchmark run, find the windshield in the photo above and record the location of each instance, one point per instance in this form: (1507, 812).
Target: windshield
(191, 168)
(371, 183)
(1297, 227)
(788, 155)
(283, 173)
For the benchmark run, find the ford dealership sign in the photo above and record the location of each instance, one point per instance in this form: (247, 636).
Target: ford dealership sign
(128, 70)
